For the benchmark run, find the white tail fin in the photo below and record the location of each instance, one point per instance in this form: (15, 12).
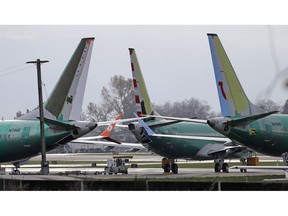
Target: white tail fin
(142, 99)
(233, 99)
(65, 101)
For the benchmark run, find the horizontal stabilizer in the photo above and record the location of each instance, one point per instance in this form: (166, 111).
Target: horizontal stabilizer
(58, 124)
(179, 119)
(119, 122)
(106, 133)
(249, 119)
(150, 132)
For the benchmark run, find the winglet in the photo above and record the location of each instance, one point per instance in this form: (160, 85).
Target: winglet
(149, 131)
(106, 133)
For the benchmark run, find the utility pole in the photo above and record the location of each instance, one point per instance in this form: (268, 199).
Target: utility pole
(44, 163)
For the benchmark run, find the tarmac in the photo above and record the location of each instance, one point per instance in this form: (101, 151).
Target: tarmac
(91, 165)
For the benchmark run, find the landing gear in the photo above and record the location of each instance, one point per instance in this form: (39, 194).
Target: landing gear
(243, 161)
(15, 170)
(169, 165)
(217, 167)
(220, 165)
(225, 167)
(175, 168)
(166, 168)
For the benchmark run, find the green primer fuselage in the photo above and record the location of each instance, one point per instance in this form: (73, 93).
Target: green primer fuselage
(20, 139)
(184, 148)
(268, 136)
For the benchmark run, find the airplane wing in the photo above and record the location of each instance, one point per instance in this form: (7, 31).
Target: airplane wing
(126, 145)
(119, 121)
(178, 119)
(131, 147)
(284, 168)
(261, 167)
(227, 150)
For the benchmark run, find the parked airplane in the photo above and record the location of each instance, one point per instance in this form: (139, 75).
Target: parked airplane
(242, 121)
(20, 139)
(175, 138)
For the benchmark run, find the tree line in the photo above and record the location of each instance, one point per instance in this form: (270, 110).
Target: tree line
(118, 97)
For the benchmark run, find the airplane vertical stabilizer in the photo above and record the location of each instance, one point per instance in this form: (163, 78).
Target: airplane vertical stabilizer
(142, 99)
(233, 100)
(65, 101)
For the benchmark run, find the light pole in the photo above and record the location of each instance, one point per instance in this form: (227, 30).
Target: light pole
(44, 163)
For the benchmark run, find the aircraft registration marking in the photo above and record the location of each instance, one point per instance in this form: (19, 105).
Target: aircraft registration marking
(14, 130)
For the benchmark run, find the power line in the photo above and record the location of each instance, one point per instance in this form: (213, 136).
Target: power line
(4, 73)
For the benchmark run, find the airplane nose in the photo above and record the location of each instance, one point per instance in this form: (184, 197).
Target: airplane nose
(92, 125)
(211, 122)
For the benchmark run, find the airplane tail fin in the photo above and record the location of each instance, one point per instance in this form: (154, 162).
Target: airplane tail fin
(106, 133)
(142, 99)
(233, 100)
(65, 101)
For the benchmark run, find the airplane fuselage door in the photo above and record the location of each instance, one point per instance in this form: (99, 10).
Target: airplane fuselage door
(25, 137)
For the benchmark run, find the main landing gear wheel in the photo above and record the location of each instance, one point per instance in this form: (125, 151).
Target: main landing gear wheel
(16, 172)
(175, 168)
(217, 167)
(225, 167)
(166, 168)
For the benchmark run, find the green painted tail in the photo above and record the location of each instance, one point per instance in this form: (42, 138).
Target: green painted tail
(233, 100)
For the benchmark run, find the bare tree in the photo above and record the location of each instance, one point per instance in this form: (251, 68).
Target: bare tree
(285, 108)
(268, 105)
(189, 108)
(117, 98)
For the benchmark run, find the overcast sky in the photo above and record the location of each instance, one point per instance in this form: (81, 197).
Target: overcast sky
(175, 60)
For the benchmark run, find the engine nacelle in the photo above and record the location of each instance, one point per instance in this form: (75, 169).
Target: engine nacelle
(138, 131)
(82, 128)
